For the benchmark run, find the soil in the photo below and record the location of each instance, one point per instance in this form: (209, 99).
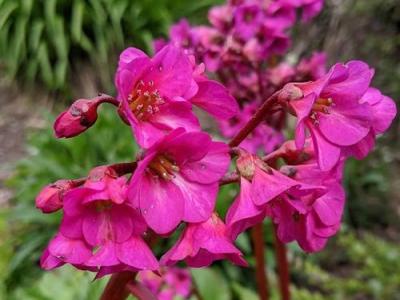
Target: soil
(18, 114)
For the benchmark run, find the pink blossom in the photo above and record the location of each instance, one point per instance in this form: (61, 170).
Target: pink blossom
(157, 94)
(202, 243)
(81, 115)
(263, 139)
(177, 180)
(50, 198)
(248, 18)
(260, 185)
(172, 282)
(100, 231)
(333, 111)
(312, 68)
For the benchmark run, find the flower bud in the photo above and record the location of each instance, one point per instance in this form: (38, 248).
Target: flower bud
(50, 198)
(81, 115)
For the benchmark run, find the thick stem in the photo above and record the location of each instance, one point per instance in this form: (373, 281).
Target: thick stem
(255, 120)
(261, 274)
(116, 286)
(283, 266)
(140, 291)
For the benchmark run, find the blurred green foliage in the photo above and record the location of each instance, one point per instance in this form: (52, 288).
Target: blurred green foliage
(46, 41)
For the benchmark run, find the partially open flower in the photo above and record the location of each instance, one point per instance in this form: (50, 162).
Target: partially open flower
(100, 231)
(81, 115)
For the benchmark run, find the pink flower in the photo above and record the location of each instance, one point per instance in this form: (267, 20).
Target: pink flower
(263, 139)
(333, 111)
(50, 198)
(259, 185)
(172, 282)
(247, 17)
(202, 243)
(81, 115)
(312, 68)
(157, 94)
(100, 231)
(310, 220)
(311, 8)
(177, 180)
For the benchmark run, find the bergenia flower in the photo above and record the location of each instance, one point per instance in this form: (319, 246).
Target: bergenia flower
(177, 179)
(263, 139)
(100, 231)
(333, 111)
(260, 185)
(155, 93)
(202, 243)
(172, 282)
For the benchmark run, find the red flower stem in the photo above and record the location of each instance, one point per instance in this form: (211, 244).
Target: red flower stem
(255, 120)
(283, 266)
(140, 291)
(103, 98)
(261, 275)
(116, 286)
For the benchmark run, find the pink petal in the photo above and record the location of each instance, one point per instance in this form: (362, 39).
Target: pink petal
(71, 226)
(345, 126)
(328, 154)
(69, 250)
(161, 203)
(329, 207)
(198, 199)
(362, 148)
(268, 186)
(49, 262)
(171, 72)
(210, 168)
(353, 87)
(137, 254)
(214, 98)
(104, 257)
(174, 115)
(383, 114)
(243, 214)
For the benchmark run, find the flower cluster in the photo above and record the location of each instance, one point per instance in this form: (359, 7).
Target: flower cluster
(244, 36)
(111, 218)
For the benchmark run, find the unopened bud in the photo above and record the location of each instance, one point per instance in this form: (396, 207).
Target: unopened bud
(50, 198)
(81, 115)
(246, 165)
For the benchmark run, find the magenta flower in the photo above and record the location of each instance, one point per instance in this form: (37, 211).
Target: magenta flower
(261, 186)
(173, 282)
(312, 68)
(100, 231)
(309, 220)
(202, 243)
(50, 198)
(248, 18)
(177, 180)
(156, 94)
(333, 111)
(263, 139)
(81, 115)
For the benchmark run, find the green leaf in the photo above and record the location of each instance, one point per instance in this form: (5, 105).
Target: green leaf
(76, 21)
(5, 11)
(244, 293)
(211, 284)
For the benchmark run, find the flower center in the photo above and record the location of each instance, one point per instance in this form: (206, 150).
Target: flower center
(164, 167)
(103, 205)
(145, 100)
(322, 105)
